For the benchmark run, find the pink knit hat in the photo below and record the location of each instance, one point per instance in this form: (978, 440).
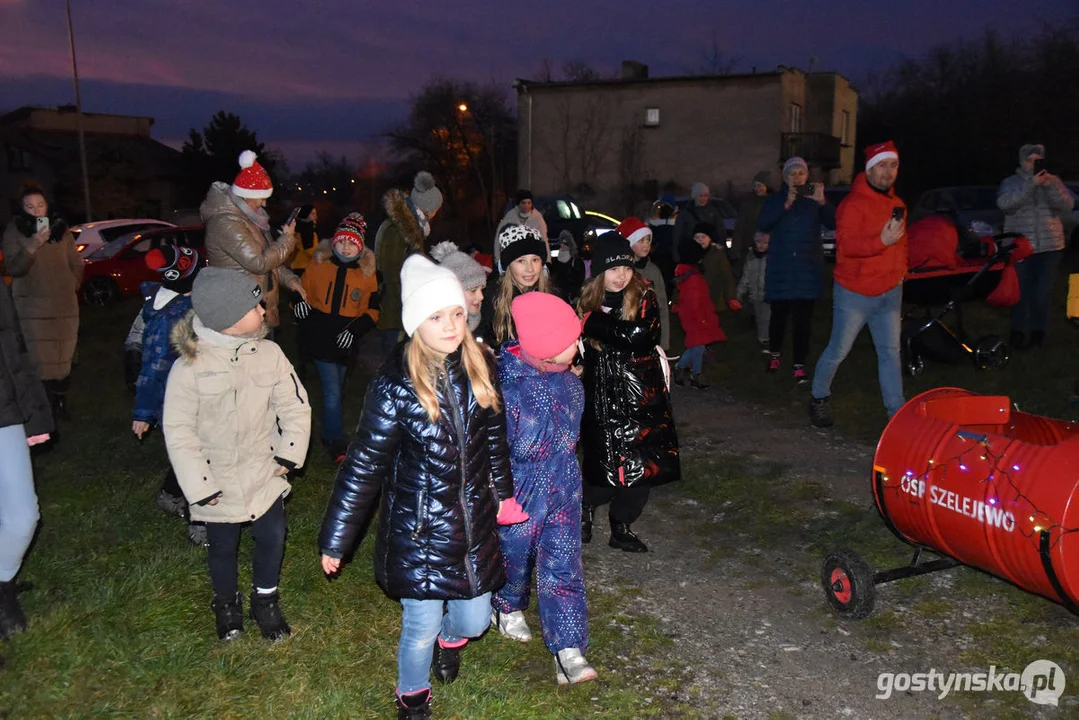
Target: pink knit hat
(546, 324)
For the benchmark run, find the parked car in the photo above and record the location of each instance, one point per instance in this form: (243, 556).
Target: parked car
(118, 269)
(973, 207)
(834, 195)
(562, 212)
(91, 237)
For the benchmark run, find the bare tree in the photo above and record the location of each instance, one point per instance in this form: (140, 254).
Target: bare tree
(714, 61)
(579, 71)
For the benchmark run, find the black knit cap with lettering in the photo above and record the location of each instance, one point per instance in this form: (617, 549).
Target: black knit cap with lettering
(516, 241)
(610, 250)
(220, 296)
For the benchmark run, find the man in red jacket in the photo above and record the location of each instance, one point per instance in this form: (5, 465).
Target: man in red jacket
(871, 260)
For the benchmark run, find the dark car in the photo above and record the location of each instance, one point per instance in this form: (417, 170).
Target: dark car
(834, 195)
(562, 212)
(118, 268)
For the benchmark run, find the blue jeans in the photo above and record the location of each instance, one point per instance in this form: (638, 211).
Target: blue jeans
(18, 502)
(422, 623)
(332, 377)
(850, 313)
(694, 355)
(1036, 277)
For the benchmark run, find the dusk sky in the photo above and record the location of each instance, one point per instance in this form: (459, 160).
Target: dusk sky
(332, 74)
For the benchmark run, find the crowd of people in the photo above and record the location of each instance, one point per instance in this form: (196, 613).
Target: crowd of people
(517, 395)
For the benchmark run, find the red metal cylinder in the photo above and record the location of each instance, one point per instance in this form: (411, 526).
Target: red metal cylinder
(994, 488)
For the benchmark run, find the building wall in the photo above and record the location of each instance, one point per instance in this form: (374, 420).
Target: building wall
(720, 131)
(64, 121)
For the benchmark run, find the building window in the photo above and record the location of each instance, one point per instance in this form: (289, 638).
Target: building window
(844, 129)
(796, 118)
(17, 158)
(651, 117)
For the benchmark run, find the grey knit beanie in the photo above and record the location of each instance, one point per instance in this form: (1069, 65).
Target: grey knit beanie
(471, 274)
(793, 163)
(1030, 149)
(425, 195)
(222, 296)
(764, 177)
(698, 189)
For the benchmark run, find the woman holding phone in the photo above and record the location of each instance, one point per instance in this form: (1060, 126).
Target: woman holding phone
(794, 278)
(40, 255)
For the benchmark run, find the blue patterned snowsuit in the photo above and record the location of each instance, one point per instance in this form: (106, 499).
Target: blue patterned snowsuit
(543, 423)
(158, 354)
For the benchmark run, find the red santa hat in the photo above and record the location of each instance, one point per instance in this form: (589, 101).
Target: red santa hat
(634, 230)
(253, 181)
(881, 151)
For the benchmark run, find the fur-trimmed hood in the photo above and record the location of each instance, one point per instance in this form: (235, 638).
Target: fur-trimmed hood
(189, 331)
(395, 203)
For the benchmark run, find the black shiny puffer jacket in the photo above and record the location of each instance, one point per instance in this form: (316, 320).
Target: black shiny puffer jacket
(440, 483)
(627, 431)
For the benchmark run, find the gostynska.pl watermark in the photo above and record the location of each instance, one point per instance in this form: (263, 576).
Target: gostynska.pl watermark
(1041, 682)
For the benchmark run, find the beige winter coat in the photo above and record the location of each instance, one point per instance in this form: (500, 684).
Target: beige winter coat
(234, 241)
(45, 287)
(231, 406)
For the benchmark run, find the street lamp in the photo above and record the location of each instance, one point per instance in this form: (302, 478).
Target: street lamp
(463, 107)
(78, 117)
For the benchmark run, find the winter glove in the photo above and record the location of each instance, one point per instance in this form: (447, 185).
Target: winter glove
(734, 304)
(344, 339)
(510, 512)
(301, 310)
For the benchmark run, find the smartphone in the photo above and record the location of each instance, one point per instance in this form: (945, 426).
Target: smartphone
(293, 215)
(42, 224)
(898, 213)
(804, 190)
(1039, 165)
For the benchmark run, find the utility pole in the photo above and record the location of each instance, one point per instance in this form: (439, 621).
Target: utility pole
(78, 117)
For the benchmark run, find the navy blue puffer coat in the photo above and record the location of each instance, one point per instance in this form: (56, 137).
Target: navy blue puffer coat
(795, 268)
(440, 484)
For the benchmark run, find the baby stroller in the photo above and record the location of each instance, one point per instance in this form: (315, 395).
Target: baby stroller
(947, 269)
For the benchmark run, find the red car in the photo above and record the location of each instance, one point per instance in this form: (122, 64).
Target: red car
(118, 269)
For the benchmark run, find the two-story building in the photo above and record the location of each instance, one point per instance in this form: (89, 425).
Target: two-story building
(131, 174)
(616, 143)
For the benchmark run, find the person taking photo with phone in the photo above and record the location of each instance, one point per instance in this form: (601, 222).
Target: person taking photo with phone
(39, 253)
(871, 260)
(794, 277)
(1033, 201)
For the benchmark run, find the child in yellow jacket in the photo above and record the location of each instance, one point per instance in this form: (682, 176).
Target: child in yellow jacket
(342, 286)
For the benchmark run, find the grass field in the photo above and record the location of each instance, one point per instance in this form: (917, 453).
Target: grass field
(120, 617)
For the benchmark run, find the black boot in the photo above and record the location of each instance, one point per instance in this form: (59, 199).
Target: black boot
(12, 618)
(414, 706)
(697, 383)
(625, 539)
(680, 376)
(62, 410)
(446, 663)
(1017, 340)
(588, 514)
(267, 615)
(229, 614)
(1037, 337)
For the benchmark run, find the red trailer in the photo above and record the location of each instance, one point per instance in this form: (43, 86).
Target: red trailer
(967, 478)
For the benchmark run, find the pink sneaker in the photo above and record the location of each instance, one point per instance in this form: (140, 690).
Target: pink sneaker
(773, 364)
(800, 376)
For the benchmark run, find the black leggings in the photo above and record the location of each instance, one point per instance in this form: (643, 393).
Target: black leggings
(627, 503)
(801, 314)
(268, 532)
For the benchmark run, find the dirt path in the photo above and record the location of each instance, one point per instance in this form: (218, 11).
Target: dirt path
(752, 628)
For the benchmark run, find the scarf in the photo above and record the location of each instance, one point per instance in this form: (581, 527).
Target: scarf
(258, 216)
(543, 365)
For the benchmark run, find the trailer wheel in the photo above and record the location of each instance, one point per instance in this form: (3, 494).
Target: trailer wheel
(848, 584)
(991, 352)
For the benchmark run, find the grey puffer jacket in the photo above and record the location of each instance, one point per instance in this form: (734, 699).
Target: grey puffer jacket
(1035, 210)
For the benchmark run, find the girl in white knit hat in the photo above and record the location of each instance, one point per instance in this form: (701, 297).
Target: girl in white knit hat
(432, 443)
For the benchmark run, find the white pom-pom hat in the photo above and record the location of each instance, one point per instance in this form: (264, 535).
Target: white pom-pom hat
(426, 288)
(252, 181)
